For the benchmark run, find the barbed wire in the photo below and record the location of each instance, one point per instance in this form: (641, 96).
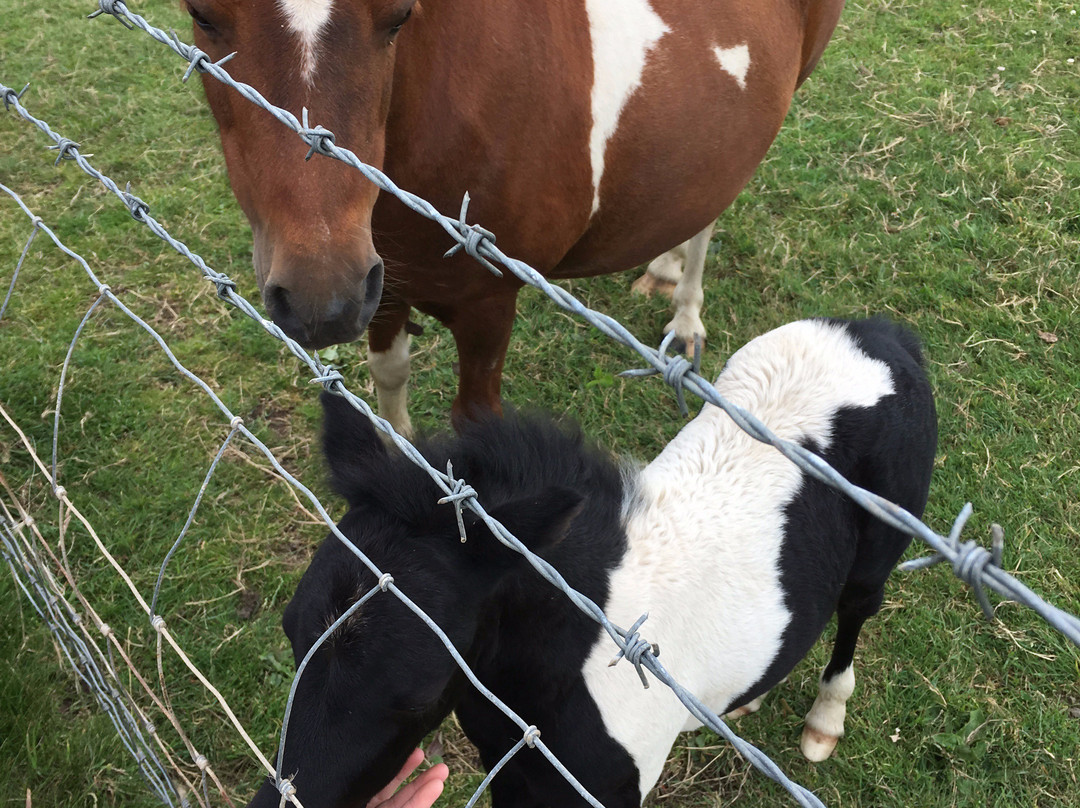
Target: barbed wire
(236, 424)
(970, 562)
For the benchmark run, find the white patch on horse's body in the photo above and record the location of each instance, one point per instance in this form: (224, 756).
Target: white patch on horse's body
(306, 19)
(735, 61)
(622, 33)
(708, 518)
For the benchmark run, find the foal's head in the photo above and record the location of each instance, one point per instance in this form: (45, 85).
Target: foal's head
(383, 679)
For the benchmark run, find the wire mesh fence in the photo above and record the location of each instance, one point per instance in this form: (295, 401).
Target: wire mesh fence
(972, 563)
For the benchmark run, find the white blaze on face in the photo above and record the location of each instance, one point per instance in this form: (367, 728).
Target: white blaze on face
(622, 32)
(306, 19)
(735, 61)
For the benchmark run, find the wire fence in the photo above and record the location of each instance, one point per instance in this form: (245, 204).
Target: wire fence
(974, 564)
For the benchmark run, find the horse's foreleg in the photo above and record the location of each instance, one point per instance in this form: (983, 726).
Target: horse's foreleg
(688, 295)
(388, 360)
(482, 334)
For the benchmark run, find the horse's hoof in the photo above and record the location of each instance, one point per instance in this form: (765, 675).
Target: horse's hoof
(692, 350)
(816, 746)
(649, 285)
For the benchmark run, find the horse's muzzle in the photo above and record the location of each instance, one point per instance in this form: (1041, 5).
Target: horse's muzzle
(320, 324)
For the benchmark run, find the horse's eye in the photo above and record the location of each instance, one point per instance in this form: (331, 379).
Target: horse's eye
(394, 31)
(200, 20)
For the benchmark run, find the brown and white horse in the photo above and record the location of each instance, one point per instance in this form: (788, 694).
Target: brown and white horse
(592, 136)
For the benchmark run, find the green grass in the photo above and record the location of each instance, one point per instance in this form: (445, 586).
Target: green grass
(912, 177)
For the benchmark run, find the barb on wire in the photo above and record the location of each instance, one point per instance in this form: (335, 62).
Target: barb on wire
(10, 96)
(636, 648)
(477, 240)
(460, 491)
(113, 7)
(64, 148)
(319, 138)
(969, 560)
(136, 207)
(673, 369)
(197, 58)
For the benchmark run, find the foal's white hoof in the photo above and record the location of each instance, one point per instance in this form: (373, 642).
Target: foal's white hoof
(751, 706)
(649, 285)
(817, 746)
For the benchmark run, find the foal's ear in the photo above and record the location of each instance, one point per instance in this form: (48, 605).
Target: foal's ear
(540, 521)
(350, 442)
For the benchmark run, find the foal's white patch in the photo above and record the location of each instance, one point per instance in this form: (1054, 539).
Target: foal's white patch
(622, 32)
(306, 19)
(735, 61)
(705, 535)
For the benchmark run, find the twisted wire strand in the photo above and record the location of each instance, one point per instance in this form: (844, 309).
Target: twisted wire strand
(96, 674)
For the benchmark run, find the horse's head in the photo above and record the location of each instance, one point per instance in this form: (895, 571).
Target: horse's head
(316, 266)
(383, 679)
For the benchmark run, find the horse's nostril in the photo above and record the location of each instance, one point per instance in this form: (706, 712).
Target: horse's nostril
(281, 310)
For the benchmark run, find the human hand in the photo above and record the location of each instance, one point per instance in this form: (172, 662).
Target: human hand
(420, 793)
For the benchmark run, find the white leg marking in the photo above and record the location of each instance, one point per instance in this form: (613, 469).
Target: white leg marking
(390, 370)
(306, 19)
(688, 295)
(662, 274)
(735, 61)
(669, 266)
(751, 706)
(825, 721)
(623, 32)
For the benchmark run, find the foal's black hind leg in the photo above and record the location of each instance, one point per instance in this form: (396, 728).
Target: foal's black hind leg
(825, 721)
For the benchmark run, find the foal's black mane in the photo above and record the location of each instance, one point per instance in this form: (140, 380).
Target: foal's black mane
(504, 459)
(541, 478)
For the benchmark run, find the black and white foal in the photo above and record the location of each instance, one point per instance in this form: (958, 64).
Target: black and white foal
(739, 558)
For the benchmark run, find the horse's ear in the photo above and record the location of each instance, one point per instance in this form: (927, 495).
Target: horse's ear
(350, 442)
(540, 521)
